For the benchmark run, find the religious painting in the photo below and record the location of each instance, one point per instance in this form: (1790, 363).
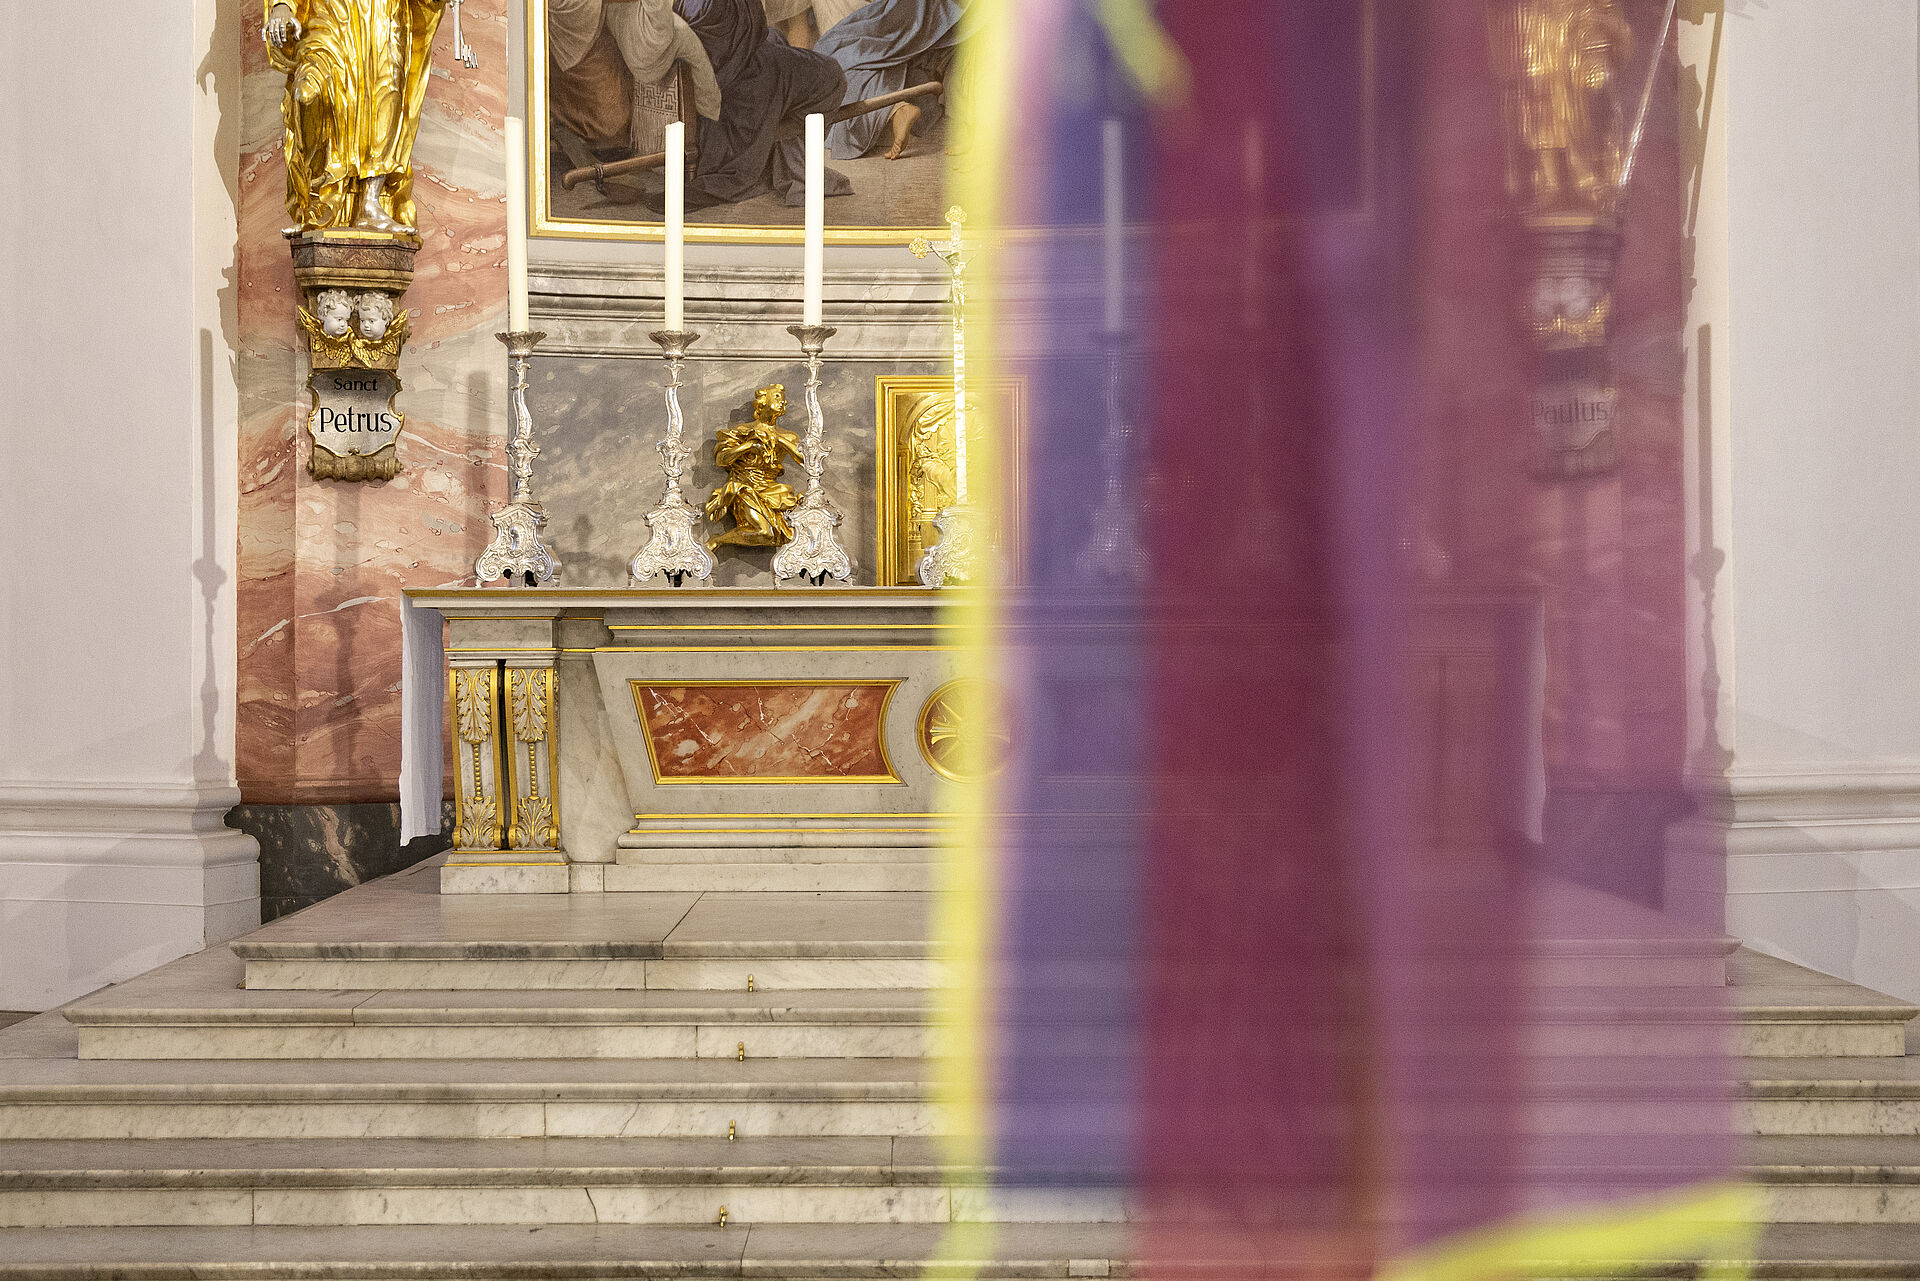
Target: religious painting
(606, 77)
(915, 464)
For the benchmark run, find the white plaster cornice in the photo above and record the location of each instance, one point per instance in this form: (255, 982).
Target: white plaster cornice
(1810, 810)
(149, 823)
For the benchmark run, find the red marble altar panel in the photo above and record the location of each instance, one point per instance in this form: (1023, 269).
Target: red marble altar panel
(769, 732)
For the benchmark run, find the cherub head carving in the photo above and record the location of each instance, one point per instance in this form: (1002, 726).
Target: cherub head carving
(374, 311)
(333, 308)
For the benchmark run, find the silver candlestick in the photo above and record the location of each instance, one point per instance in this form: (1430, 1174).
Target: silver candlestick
(814, 551)
(516, 551)
(1113, 553)
(673, 551)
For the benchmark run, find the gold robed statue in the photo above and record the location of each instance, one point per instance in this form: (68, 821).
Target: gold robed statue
(1560, 63)
(356, 76)
(753, 494)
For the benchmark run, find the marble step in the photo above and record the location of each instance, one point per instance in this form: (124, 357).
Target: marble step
(688, 1181)
(67, 1098)
(546, 1181)
(819, 875)
(560, 965)
(795, 869)
(212, 1022)
(762, 1252)
(400, 932)
(562, 1252)
(676, 1023)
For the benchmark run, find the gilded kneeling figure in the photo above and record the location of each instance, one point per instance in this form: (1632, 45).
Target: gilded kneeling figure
(753, 495)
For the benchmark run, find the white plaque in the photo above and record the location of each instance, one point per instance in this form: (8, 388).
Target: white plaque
(353, 410)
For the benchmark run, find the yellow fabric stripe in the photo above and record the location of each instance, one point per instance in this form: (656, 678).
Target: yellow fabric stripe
(963, 921)
(1717, 1224)
(1144, 48)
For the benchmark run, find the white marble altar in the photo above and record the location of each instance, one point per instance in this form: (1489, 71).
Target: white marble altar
(700, 739)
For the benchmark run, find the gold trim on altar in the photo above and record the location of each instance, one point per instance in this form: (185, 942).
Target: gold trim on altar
(913, 461)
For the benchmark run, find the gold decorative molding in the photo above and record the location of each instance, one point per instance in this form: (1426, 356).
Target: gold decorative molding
(471, 695)
(913, 460)
(957, 732)
(536, 820)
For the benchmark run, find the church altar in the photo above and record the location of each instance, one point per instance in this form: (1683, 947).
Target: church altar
(653, 739)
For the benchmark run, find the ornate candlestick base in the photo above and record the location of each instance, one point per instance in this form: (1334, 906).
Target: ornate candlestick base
(814, 554)
(673, 552)
(951, 561)
(516, 552)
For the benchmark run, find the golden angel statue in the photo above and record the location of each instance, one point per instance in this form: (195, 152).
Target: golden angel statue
(356, 76)
(1560, 63)
(753, 494)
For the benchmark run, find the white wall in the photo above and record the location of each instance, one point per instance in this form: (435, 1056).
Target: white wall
(1806, 445)
(118, 402)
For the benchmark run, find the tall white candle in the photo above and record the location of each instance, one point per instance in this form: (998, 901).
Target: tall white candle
(676, 225)
(517, 321)
(815, 267)
(1113, 183)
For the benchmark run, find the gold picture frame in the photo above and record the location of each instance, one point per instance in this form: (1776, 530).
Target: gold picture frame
(540, 178)
(902, 504)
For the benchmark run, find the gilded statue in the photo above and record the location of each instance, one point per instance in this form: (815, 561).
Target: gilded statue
(356, 76)
(753, 494)
(1560, 64)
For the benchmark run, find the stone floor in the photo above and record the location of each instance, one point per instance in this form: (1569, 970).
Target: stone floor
(398, 1083)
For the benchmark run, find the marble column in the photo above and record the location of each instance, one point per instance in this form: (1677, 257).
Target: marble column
(1804, 461)
(116, 624)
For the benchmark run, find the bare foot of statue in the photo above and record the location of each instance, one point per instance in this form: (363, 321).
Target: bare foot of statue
(373, 217)
(904, 117)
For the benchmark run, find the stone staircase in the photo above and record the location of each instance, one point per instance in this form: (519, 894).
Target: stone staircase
(396, 1084)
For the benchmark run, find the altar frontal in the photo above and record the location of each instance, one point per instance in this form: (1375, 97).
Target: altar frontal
(647, 739)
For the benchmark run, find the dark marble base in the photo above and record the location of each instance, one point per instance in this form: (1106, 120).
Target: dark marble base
(312, 852)
(1612, 840)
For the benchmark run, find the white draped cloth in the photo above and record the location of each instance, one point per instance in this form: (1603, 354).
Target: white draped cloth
(650, 35)
(423, 716)
(825, 12)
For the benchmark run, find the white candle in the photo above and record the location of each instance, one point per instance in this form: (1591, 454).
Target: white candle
(815, 267)
(1113, 183)
(517, 321)
(676, 225)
